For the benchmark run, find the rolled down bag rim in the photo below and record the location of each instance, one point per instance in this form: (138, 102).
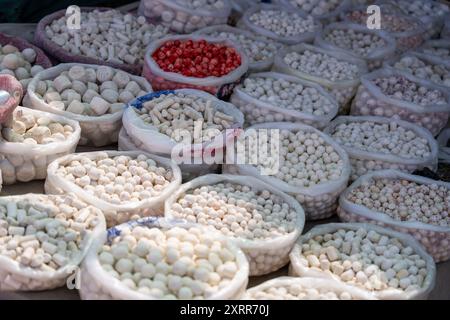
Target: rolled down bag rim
(91, 262)
(424, 57)
(366, 81)
(315, 190)
(329, 15)
(56, 147)
(303, 37)
(216, 13)
(11, 265)
(435, 43)
(360, 63)
(41, 39)
(52, 73)
(361, 210)
(422, 293)
(378, 53)
(232, 76)
(239, 93)
(60, 182)
(253, 183)
(133, 124)
(386, 157)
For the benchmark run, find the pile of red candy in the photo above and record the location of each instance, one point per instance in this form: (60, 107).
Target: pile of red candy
(197, 59)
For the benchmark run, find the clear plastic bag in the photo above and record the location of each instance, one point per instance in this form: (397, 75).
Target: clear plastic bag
(444, 147)
(297, 268)
(245, 23)
(374, 59)
(264, 256)
(366, 161)
(22, 162)
(114, 213)
(328, 17)
(98, 284)
(342, 90)
(256, 62)
(319, 201)
(438, 48)
(435, 239)
(256, 111)
(370, 100)
(95, 130)
(17, 277)
(323, 285)
(178, 17)
(218, 86)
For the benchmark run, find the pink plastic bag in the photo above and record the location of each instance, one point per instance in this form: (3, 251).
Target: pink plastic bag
(10, 96)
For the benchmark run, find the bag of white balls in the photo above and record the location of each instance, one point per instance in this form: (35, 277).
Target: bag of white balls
(375, 143)
(312, 167)
(271, 96)
(157, 259)
(324, 10)
(31, 140)
(281, 24)
(125, 185)
(43, 239)
(93, 95)
(261, 220)
(388, 92)
(385, 263)
(438, 48)
(403, 202)
(337, 72)
(373, 46)
(293, 288)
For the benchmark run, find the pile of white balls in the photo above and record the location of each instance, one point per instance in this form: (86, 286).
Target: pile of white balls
(202, 4)
(173, 263)
(185, 117)
(118, 179)
(109, 35)
(89, 91)
(438, 51)
(316, 7)
(366, 259)
(437, 73)
(360, 43)
(19, 64)
(421, 9)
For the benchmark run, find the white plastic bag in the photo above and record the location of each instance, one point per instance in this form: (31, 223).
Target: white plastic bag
(370, 100)
(218, 86)
(297, 268)
(22, 162)
(365, 161)
(245, 23)
(257, 61)
(435, 239)
(319, 201)
(98, 284)
(342, 90)
(96, 130)
(265, 256)
(256, 111)
(114, 213)
(304, 284)
(178, 17)
(374, 59)
(17, 277)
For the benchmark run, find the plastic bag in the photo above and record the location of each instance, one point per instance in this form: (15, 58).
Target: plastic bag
(158, 143)
(297, 268)
(114, 213)
(445, 32)
(374, 59)
(370, 100)
(98, 284)
(444, 147)
(264, 256)
(342, 90)
(437, 48)
(245, 23)
(367, 161)
(319, 201)
(256, 111)
(17, 277)
(330, 16)
(218, 86)
(323, 285)
(22, 162)
(10, 96)
(435, 239)
(95, 130)
(257, 62)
